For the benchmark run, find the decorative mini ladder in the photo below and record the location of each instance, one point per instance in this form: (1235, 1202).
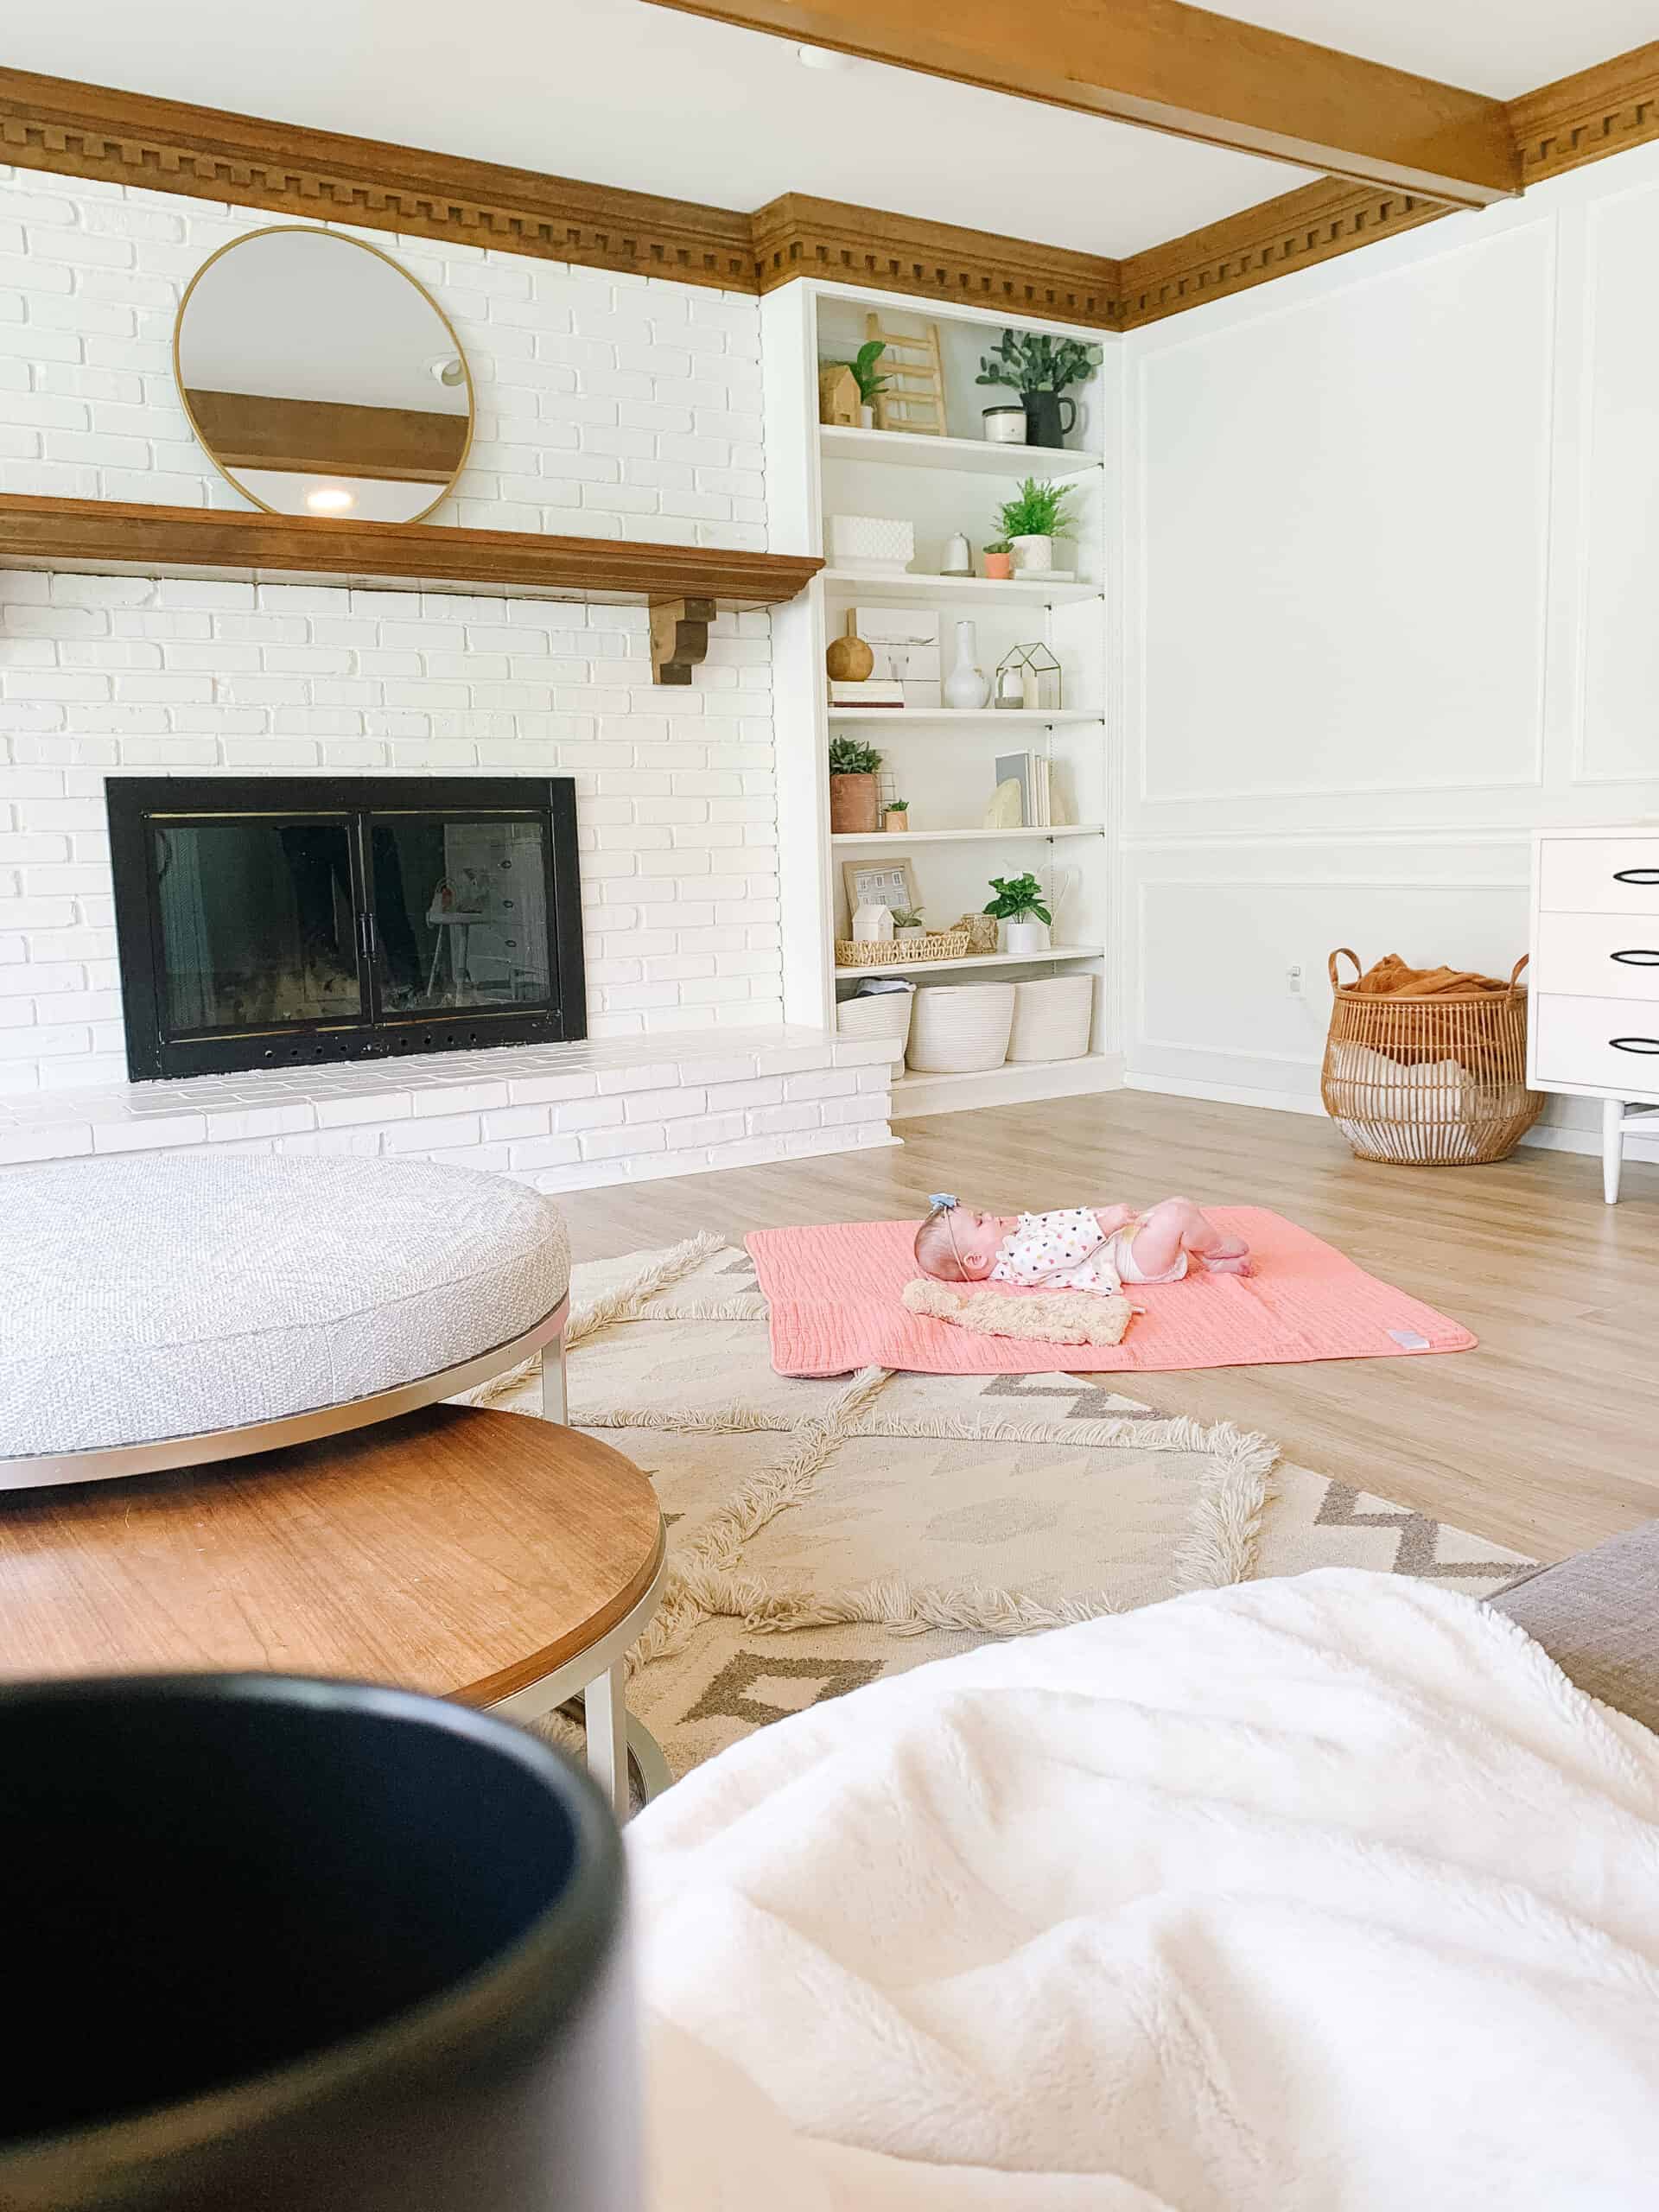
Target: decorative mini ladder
(915, 401)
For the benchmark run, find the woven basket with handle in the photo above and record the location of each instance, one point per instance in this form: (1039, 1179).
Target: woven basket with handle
(1432, 1082)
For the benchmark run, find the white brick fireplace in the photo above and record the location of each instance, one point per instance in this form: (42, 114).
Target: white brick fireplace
(608, 406)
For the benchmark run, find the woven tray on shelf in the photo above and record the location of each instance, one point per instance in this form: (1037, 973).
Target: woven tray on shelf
(884, 952)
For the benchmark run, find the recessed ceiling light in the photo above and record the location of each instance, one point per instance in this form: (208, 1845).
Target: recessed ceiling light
(823, 57)
(329, 499)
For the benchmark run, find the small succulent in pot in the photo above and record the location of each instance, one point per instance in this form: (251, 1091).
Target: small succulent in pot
(908, 923)
(999, 559)
(896, 814)
(1022, 913)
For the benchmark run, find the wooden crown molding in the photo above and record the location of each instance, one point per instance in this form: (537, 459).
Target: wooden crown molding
(1586, 117)
(795, 236)
(1561, 126)
(50, 122)
(1295, 230)
(75, 130)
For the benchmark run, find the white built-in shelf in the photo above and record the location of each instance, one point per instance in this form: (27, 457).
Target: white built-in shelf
(984, 591)
(954, 717)
(972, 960)
(967, 836)
(905, 449)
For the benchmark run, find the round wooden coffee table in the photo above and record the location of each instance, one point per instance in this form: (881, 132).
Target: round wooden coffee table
(489, 1557)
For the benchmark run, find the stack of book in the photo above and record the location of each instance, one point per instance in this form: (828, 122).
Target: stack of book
(1030, 771)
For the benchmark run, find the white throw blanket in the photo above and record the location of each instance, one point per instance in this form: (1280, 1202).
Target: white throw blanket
(1302, 1895)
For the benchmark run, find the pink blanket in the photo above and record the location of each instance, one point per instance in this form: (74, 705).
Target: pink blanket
(834, 1294)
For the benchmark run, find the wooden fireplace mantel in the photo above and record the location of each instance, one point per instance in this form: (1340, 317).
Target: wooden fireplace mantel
(111, 537)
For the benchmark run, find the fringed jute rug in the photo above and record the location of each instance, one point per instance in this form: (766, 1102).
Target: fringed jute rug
(822, 1534)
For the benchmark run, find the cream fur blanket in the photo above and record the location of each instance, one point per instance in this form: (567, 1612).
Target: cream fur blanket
(1047, 1317)
(1319, 1895)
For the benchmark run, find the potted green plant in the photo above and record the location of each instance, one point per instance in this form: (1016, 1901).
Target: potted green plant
(908, 923)
(1039, 368)
(1022, 915)
(853, 767)
(1030, 521)
(999, 559)
(868, 378)
(895, 816)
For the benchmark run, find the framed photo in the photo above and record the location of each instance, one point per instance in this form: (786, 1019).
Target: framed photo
(888, 883)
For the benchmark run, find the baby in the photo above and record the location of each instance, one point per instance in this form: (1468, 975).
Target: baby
(1078, 1248)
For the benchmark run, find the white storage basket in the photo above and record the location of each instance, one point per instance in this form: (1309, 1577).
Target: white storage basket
(1051, 1015)
(959, 1028)
(881, 1013)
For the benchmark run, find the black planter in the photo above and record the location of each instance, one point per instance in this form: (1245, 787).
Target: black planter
(1042, 425)
(285, 1946)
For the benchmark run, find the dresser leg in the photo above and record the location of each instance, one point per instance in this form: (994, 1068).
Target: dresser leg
(1612, 1147)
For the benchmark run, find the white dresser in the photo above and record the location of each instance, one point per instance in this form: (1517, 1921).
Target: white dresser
(1594, 1029)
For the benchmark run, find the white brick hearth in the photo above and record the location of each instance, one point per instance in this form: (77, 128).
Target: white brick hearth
(561, 1117)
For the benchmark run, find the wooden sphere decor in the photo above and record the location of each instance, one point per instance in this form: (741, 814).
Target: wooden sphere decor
(849, 659)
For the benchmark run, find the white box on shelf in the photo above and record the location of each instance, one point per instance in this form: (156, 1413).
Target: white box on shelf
(898, 626)
(870, 545)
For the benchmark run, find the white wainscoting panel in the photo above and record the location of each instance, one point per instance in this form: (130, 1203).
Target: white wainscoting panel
(1344, 521)
(1620, 604)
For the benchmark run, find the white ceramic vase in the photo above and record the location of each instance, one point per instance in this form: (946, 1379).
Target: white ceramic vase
(1027, 939)
(967, 685)
(1032, 557)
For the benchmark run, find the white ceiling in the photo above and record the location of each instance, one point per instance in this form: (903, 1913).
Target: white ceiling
(620, 92)
(1500, 47)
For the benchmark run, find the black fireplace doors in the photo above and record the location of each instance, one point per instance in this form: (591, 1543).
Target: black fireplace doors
(275, 922)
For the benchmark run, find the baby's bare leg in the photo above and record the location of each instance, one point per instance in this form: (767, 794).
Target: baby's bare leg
(1176, 1225)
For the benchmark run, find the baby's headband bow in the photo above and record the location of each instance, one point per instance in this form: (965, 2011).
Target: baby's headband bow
(942, 1201)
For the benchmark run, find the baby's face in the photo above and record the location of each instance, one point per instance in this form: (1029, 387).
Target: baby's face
(978, 1236)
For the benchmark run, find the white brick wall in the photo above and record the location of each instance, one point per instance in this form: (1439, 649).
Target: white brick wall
(608, 405)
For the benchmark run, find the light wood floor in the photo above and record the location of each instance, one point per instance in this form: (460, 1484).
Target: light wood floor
(1546, 1438)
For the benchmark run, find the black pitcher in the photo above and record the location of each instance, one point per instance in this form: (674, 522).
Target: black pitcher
(276, 1945)
(1043, 423)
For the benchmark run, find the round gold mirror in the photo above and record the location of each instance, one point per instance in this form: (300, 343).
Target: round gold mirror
(321, 378)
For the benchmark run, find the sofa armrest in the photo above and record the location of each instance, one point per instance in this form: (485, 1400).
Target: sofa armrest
(1597, 1614)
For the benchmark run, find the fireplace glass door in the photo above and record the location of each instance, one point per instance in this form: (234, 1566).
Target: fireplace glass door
(257, 922)
(460, 911)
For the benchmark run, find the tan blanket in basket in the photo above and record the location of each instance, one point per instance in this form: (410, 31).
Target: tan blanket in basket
(1389, 977)
(1456, 1033)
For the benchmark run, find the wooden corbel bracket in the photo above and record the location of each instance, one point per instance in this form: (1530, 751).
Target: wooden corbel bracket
(679, 638)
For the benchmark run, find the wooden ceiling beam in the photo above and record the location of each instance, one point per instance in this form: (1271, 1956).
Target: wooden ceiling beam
(1169, 66)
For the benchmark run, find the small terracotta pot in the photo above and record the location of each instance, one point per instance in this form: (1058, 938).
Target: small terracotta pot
(895, 820)
(999, 565)
(854, 809)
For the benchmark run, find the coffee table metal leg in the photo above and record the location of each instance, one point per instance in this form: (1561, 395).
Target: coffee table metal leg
(555, 1404)
(603, 1700)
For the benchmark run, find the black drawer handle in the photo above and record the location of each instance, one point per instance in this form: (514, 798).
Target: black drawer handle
(1636, 875)
(1637, 958)
(1634, 1044)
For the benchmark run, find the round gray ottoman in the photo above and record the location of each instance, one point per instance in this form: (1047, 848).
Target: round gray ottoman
(160, 1310)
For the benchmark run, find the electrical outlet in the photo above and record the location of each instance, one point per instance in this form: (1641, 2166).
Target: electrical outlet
(1294, 980)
